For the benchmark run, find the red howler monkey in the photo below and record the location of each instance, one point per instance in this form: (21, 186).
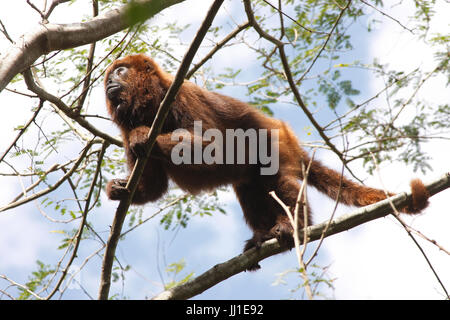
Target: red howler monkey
(135, 86)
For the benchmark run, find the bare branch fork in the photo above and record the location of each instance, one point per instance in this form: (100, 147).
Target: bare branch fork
(271, 247)
(141, 162)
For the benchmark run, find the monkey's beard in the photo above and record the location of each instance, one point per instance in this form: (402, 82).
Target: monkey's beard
(124, 104)
(121, 113)
(125, 113)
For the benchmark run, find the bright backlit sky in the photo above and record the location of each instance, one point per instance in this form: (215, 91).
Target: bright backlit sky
(374, 261)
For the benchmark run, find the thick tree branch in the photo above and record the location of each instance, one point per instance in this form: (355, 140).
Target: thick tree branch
(141, 162)
(271, 247)
(50, 37)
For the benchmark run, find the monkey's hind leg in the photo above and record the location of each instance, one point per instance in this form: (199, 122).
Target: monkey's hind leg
(287, 189)
(264, 214)
(253, 200)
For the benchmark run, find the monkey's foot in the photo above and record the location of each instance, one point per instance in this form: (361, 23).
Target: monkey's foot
(255, 242)
(284, 233)
(116, 189)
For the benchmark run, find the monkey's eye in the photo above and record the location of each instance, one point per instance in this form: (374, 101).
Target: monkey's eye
(120, 71)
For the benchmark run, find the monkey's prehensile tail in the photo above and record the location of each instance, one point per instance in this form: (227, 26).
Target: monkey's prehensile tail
(334, 185)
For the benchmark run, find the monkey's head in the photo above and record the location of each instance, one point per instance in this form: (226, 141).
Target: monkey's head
(135, 86)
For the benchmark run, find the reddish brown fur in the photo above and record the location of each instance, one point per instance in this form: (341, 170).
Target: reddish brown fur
(143, 85)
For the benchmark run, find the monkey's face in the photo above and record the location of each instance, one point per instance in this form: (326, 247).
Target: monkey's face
(132, 87)
(115, 84)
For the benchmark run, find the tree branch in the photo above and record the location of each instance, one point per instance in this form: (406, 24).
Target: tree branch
(22, 130)
(217, 47)
(54, 186)
(290, 79)
(271, 247)
(65, 111)
(90, 63)
(141, 162)
(77, 238)
(50, 37)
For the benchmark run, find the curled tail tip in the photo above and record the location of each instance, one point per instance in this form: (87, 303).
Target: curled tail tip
(419, 197)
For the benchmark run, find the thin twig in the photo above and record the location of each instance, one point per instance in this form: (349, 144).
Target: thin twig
(21, 286)
(52, 7)
(341, 14)
(294, 222)
(80, 267)
(23, 129)
(83, 221)
(216, 48)
(386, 15)
(336, 203)
(90, 62)
(292, 19)
(51, 188)
(36, 9)
(356, 107)
(63, 108)
(42, 177)
(5, 32)
(420, 234)
(174, 202)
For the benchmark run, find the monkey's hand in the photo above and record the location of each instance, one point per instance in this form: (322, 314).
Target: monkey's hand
(138, 140)
(116, 189)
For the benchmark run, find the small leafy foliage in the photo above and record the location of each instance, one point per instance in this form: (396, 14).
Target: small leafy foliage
(173, 270)
(191, 206)
(36, 280)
